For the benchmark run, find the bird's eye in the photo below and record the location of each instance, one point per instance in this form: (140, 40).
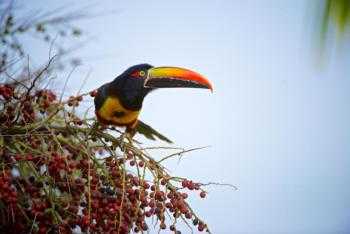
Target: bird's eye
(142, 73)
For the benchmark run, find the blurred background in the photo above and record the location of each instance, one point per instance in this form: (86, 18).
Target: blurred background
(278, 121)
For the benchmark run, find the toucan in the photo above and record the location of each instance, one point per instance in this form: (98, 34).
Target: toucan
(120, 101)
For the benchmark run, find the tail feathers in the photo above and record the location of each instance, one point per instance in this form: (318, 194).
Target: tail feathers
(150, 133)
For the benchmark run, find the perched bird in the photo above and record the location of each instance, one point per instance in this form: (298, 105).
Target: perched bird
(120, 101)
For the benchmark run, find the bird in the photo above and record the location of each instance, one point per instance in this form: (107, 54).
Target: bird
(119, 102)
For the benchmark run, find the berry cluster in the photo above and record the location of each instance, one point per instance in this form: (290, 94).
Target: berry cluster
(44, 99)
(8, 192)
(21, 108)
(7, 96)
(74, 101)
(6, 91)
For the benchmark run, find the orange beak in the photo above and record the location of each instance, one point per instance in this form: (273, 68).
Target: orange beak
(175, 77)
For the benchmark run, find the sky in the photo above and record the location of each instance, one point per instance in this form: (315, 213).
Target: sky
(277, 123)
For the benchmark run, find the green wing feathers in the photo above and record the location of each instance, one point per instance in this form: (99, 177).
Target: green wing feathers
(150, 133)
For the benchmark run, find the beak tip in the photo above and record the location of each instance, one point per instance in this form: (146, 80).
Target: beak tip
(210, 87)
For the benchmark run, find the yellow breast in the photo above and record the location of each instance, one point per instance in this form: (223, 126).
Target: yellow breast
(111, 106)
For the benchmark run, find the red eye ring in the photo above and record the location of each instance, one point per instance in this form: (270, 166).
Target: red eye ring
(135, 74)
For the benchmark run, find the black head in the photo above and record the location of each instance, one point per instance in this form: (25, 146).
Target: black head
(129, 86)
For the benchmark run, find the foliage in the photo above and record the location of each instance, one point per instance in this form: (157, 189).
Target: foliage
(338, 13)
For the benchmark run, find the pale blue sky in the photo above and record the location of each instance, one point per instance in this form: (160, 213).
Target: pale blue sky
(277, 123)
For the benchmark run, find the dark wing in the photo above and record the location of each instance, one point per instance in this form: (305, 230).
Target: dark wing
(149, 132)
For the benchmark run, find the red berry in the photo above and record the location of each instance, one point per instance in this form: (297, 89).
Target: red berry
(148, 214)
(190, 185)
(201, 227)
(146, 185)
(163, 182)
(93, 93)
